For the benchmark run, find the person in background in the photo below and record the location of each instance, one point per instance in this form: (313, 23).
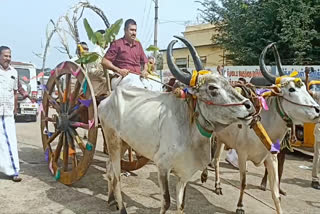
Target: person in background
(9, 159)
(315, 183)
(151, 66)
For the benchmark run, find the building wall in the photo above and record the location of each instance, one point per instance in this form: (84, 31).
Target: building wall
(213, 56)
(200, 37)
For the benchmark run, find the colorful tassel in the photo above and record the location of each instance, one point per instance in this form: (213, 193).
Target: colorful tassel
(89, 146)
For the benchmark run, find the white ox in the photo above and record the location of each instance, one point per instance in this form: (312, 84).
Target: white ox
(157, 126)
(296, 103)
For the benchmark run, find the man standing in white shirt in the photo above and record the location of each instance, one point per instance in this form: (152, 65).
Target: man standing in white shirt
(9, 160)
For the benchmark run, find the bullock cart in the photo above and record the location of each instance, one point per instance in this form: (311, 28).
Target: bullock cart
(69, 124)
(69, 120)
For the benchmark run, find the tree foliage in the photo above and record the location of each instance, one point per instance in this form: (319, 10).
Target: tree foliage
(245, 27)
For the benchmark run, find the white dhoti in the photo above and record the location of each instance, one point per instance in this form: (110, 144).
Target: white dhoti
(316, 156)
(9, 160)
(137, 81)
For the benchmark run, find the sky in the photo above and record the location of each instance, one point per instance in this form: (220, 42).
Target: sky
(23, 23)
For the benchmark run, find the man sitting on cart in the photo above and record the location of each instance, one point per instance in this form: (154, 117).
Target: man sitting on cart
(126, 57)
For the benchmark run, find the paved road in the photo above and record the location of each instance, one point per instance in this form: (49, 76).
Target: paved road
(40, 193)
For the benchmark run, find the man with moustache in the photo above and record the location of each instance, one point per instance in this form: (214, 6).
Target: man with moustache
(126, 58)
(9, 160)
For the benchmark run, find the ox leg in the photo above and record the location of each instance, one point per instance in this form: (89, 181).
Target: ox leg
(181, 193)
(263, 185)
(114, 149)
(163, 177)
(216, 163)
(110, 178)
(272, 167)
(243, 182)
(281, 159)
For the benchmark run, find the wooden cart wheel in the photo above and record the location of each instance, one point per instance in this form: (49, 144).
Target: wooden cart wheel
(68, 128)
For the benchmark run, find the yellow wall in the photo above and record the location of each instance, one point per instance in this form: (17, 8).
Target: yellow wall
(213, 54)
(200, 37)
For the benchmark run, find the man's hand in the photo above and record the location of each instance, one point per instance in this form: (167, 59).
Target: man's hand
(123, 72)
(144, 74)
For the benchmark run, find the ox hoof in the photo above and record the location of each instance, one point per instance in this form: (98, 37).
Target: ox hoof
(123, 211)
(113, 205)
(263, 187)
(315, 185)
(204, 176)
(240, 211)
(282, 192)
(218, 191)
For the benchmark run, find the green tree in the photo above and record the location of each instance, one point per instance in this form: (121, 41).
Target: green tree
(245, 27)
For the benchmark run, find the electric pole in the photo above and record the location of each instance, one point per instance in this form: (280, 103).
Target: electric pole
(155, 34)
(156, 22)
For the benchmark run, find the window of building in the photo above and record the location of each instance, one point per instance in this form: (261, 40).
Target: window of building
(203, 60)
(181, 62)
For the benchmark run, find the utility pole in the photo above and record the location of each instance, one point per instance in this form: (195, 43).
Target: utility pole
(156, 22)
(155, 34)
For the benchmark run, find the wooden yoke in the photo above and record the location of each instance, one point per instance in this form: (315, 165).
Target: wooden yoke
(262, 134)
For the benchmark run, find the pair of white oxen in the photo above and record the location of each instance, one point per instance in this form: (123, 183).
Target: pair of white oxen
(171, 133)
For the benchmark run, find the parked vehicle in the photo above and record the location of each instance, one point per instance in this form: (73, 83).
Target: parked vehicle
(27, 109)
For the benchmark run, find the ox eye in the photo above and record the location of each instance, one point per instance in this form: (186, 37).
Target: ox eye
(292, 90)
(211, 88)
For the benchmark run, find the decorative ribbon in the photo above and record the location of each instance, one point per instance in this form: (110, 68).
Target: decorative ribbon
(298, 82)
(76, 107)
(62, 66)
(50, 167)
(91, 123)
(46, 155)
(195, 74)
(89, 146)
(58, 175)
(78, 124)
(85, 86)
(52, 72)
(40, 109)
(202, 131)
(85, 102)
(43, 87)
(75, 73)
(275, 147)
(263, 103)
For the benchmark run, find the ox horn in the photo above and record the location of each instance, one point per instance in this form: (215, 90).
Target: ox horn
(177, 73)
(196, 59)
(278, 60)
(265, 72)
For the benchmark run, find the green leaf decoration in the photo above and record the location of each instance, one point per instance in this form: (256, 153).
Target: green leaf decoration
(152, 48)
(88, 58)
(113, 31)
(90, 33)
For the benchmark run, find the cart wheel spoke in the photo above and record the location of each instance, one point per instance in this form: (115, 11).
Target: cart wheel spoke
(77, 138)
(75, 95)
(53, 102)
(59, 90)
(67, 88)
(65, 153)
(53, 137)
(58, 148)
